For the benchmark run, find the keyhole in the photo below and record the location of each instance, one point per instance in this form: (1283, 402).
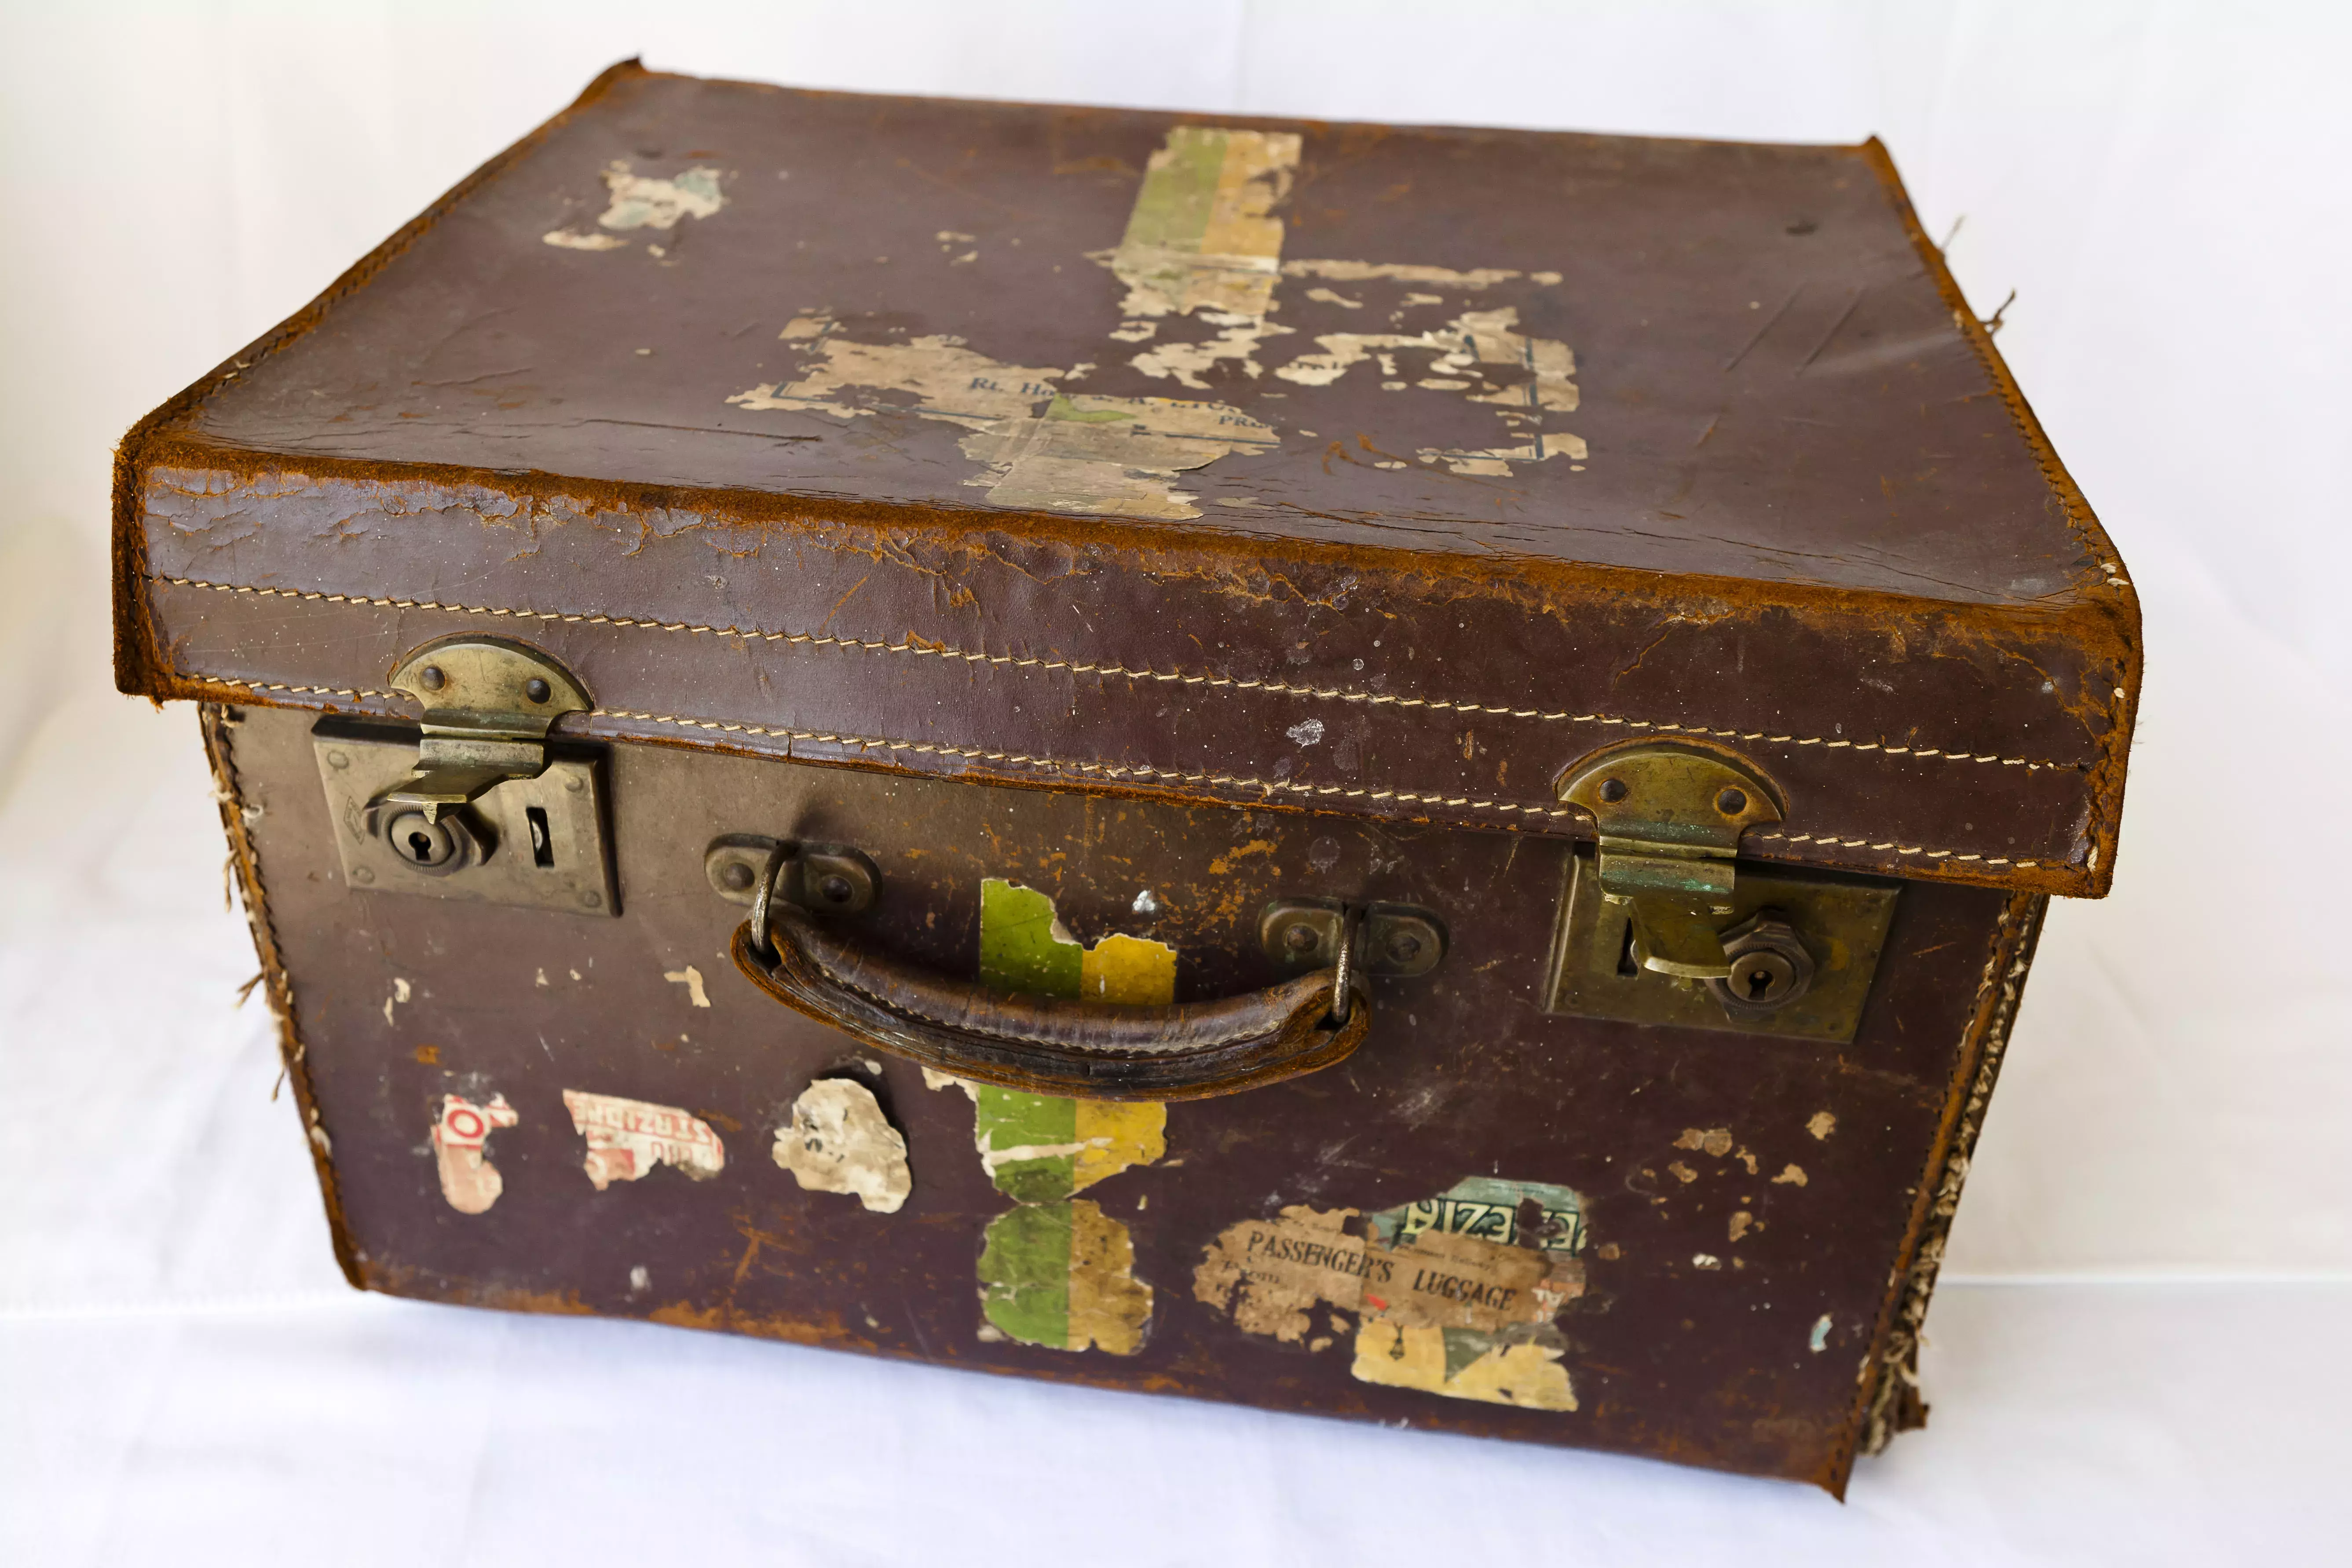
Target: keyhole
(542, 852)
(1626, 967)
(1760, 980)
(422, 847)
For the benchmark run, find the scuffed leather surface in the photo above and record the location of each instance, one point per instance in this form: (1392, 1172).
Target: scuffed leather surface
(1840, 544)
(1691, 1343)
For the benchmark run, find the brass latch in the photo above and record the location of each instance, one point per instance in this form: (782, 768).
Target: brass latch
(1658, 923)
(474, 806)
(489, 704)
(1670, 817)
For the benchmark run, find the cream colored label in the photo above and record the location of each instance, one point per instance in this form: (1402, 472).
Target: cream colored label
(1448, 1295)
(460, 1140)
(627, 1138)
(838, 1140)
(1201, 236)
(1115, 455)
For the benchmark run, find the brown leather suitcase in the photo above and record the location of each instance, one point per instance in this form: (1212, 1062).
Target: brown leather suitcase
(1398, 772)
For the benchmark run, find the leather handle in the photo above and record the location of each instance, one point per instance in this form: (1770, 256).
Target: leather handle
(1051, 1045)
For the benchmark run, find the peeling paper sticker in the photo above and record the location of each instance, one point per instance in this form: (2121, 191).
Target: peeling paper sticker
(566, 239)
(640, 202)
(1112, 455)
(1054, 1270)
(1406, 272)
(1039, 1148)
(460, 1137)
(951, 382)
(838, 1140)
(1462, 349)
(627, 1138)
(1063, 1276)
(1450, 1295)
(1115, 455)
(1201, 236)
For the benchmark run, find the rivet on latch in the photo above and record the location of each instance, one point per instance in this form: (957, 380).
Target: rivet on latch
(1670, 814)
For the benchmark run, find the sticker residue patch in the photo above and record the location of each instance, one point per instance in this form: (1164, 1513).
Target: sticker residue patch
(639, 201)
(691, 978)
(1110, 454)
(838, 1140)
(1454, 1295)
(627, 1138)
(1407, 272)
(1482, 355)
(461, 1136)
(1202, 234)
(1200, 259)
(1115, 454)
(1056, 1270)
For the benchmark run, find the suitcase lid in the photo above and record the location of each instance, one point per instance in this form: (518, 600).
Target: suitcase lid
(1358, 468)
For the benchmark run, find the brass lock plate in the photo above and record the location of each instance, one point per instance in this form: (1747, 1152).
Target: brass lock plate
(1842, 922)
(536, 843)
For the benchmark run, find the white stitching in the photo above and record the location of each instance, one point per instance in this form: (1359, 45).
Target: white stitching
(355, 693)
(1276, 687)
(1228, 780)
(1139, 772)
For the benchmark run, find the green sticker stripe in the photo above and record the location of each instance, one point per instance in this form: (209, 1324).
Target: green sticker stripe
(1180, 192)
(1024, 1274)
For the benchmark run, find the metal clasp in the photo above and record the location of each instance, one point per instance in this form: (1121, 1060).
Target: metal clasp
(489, 704)
(1658, 923)
(1669, 817)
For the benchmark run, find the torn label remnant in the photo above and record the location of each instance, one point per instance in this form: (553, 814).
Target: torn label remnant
(1063, 1276)
(1455, 1294)
(1202, 234)
(838, 1140)
(460, 1137)
(627, 1138)
(691, 978)
(1406, 272)
(1113, 455)
(639, 202)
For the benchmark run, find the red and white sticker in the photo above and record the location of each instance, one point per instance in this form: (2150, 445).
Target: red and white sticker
(468, 1180)
(627, 1138)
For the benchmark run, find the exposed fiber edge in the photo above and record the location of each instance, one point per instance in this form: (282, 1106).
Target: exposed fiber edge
(218, 721)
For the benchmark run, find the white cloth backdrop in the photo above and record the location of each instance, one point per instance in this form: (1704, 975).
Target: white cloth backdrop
(2137, 1352)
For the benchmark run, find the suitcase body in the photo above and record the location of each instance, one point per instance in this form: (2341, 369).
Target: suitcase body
(1076, 720)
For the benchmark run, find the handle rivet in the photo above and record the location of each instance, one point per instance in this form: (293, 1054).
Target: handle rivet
(1301, 940)
(737, 877)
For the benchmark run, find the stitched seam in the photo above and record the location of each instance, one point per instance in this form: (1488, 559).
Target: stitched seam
(1275, 688)
(1136, 1054)
(1141, 772)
